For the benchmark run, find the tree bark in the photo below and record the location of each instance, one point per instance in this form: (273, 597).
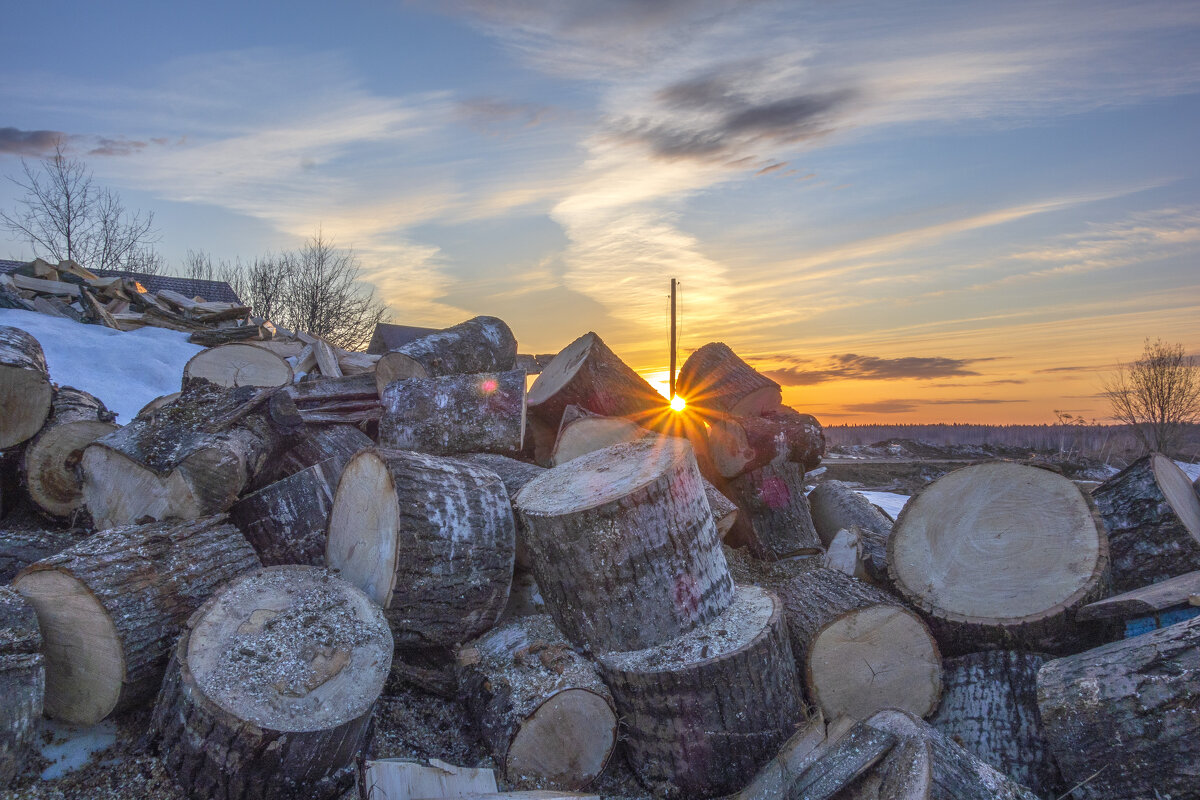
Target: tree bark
(714, 380)
(544, 712)
(515, 474)
(624, 546)
(286, 521)
(233, 365)
(775, 521)
(270, 689)
(25, 392)
(1153, 520)
(451, 414)
(22, 683)
(724, 512)
(703, 712)
(312, 445)
(19, 549)
(842, 762)
(430, 539)
(111, 607)
(481, 344)
(743, 444)
(835, 506)
(50, 464)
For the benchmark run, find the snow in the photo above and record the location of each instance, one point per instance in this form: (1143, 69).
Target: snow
(1192, 470)
(889, 502)
(69, 747)
(126, 370)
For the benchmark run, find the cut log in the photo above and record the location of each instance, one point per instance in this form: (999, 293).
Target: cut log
(326, 359)
(742, 444)
(1147, 601)
(544, 713)
(624, 546)
(775, 521)
(847, 555)
(589, 375)
(481, 344)
(217, 337)
(20, 548)
(233, 365)
(706, 710)
(22, 683)
(1000, 556)
(351, 399)
(432, 669)
(25, 393)
(806, 745)
(157, 403)
(111, 607)
(515, 475)
(1124, 718)
(835, 506)
(405, 779)
(430, 539)
(50, 464)
(286, 521)
(270, 688)
(842, 762)
(582, 432)
(450, 414)
(312, 445)
(714, 380)
(1153, 518)
(989, 707)
(724, 512)
(927, 766)
(190, 458)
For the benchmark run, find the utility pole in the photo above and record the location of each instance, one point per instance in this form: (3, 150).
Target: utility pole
(672, 397)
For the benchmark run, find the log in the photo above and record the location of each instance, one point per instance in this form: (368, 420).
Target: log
(582, 432)
(804, 748)
(715, 381)
(706, 710)
(232, 365)
(25, 393)
(430, 539)
(20, 548)
(544, 712)
(157, 403)
(724, 512)
(775, 521)
(286, 521)
(481, 344)
(989, 707)
(515, 474)
(1128, 711)
(835, 506)
(190, 458)
(450, 414)
(589, 375)
(1001, 556)
(271, 686)
(624, 547)
(406, 779)
(1153, 518)
(216, 337)
(22, 683)
(312, 445)
(847, 555)
(326, 359)
(1147, 601)
(111, 607)
(742, 444)
(50, 465)
(842, 762)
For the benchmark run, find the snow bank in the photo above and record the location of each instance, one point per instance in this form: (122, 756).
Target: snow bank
(124, 369)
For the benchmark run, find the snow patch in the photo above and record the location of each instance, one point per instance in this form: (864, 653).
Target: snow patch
(1191, 470)
(893, 504)
(70, 747)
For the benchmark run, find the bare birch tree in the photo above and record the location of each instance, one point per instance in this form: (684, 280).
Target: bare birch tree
(1157, 396)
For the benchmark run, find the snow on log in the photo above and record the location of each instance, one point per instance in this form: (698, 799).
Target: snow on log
(22, 683)
(742, 444)
(25, 392)
(51, 459)
(450, 414)
(286, 521)
(714, 380)
(481, 344)
(775, 521)
(20, 548)
(233, 365)
(111, 607)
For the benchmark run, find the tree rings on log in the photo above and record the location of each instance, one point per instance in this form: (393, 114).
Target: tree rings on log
(430, 539)
(705, 711)
(582, 432)
(476, 413)
(25, 392)
(714, 380)
(286, 521)
(22, 682)
(481, 344)
(544, 712)
(999, 556)
(270, 688)
(624, 546)
(51, 459)
(775, 521)
(232, 365)
(111, 607)
(1152, 513)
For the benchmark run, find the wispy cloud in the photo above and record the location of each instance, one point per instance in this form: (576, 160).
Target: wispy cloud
(14, 141)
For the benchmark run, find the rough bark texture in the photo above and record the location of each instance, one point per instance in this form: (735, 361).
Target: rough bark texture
(1152, 536)
(25, 392)
(314, 444)
(989, 707)
(743, 444)
(286, 521)
(146, 579)
(523, 680)
(450, 414)
(704, 712)
(844, 760)
(715, 381)
(624, 546)
(775, 521)
(481, 344)
(813, 739)
(430, 539)
(50, 463)
(19, 549)
(724, 512)
(22, 682)
(515, 475)
(1131, 710)
(835, 506)
(352, 399)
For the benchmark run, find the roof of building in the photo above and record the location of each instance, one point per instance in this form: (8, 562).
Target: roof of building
(212, 291)
(388, 337)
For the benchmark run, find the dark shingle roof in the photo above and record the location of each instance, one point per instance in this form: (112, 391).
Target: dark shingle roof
(212, 291)
(388, 337)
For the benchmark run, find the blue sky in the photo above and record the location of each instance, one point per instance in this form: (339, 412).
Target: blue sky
(960, 212)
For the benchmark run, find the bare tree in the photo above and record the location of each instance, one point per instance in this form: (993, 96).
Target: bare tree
(1157, 396)
(65, 214)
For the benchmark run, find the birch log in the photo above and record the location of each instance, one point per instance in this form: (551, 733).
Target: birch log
(25, 392)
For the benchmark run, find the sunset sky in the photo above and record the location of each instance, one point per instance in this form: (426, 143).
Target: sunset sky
(903, 212)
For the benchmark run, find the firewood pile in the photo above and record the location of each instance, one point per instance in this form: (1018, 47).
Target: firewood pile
(590, 576)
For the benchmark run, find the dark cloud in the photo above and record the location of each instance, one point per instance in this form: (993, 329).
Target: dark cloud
(1053, 370)
(116, 147)
(29, 143)
(490, 113)
(851, 366)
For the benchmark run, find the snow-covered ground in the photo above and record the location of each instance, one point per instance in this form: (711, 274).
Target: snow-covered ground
(126, 370)
(1192, 470)
(69, 747)
(889, 502)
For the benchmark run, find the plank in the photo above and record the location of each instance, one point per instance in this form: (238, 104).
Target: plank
(326, 359)
(1146, 600)
(45, 287)
(403, 779)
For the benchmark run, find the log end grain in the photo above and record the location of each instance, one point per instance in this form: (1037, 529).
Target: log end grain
(25, 391)
(238, 364)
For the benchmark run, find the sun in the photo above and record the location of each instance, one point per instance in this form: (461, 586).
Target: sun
(678, 403)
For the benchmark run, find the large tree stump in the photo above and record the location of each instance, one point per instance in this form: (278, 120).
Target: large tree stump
(190, 458)
(312, 445)
(111, 607)
(22, 683)
(589, 375)
(450, 414)
(742, 444)
(25, 392)
(624, 546)
(20, 548)
(989, 706)
(481, 344)
(430, 539)
(1000, 556)
(270, 689)
(237, 364)
(704, 711)
(50, 464)
(858, 649)
(775, 521)
(1153, 518)
(286, 521)
(714, 380)
(515, 475)
(1129, 711)
(543, 711)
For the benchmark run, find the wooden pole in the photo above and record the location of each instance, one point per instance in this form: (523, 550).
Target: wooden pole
(672, 393)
